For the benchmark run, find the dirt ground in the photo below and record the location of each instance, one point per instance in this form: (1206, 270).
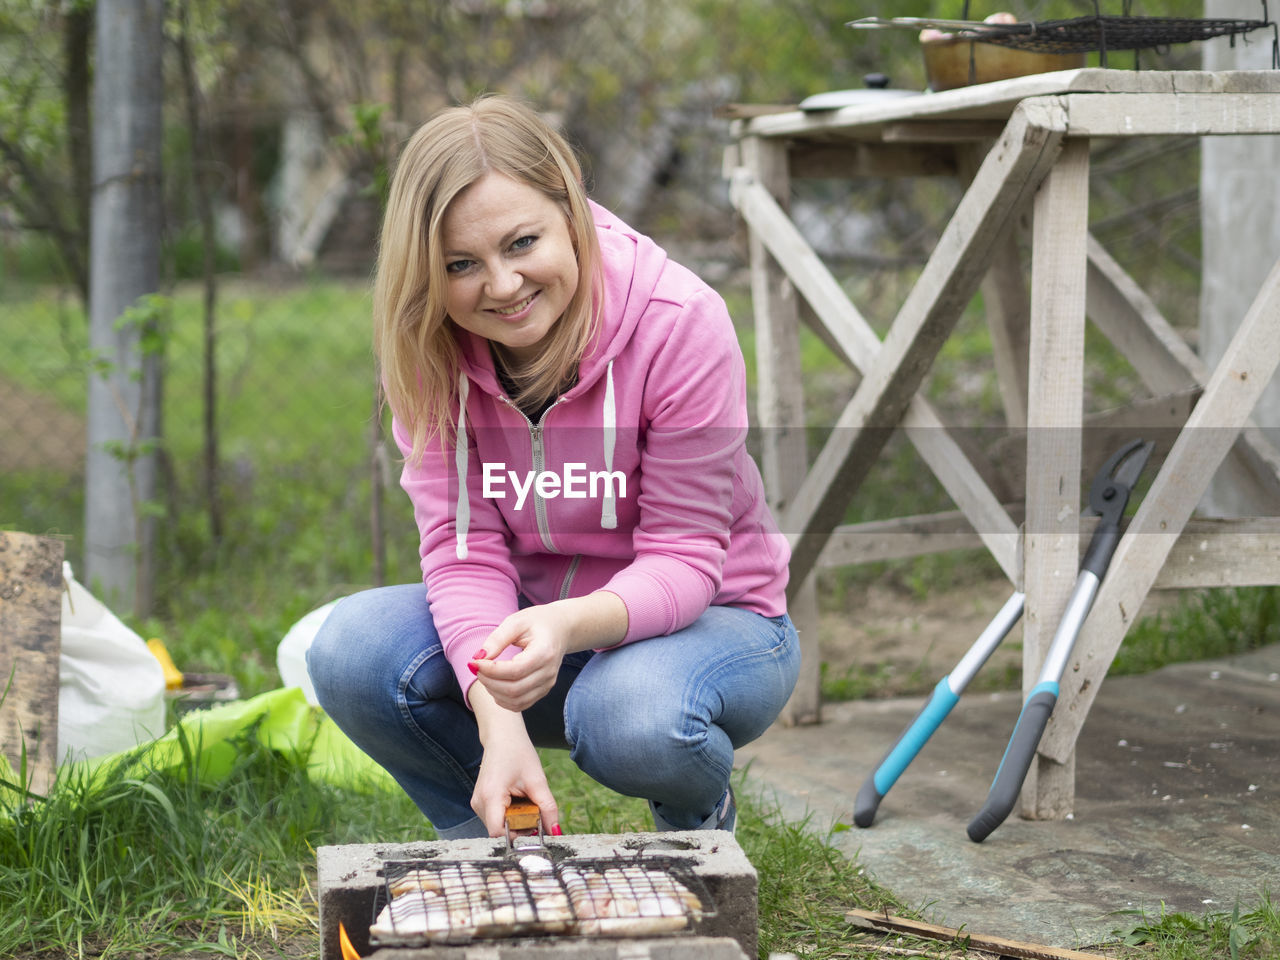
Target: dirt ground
(894, 642)
(37, 434)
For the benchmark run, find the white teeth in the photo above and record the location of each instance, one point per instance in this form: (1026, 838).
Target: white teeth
(508, 311)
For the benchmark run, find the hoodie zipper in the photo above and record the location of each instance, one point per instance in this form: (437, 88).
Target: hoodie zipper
(567, 583)
(539, 464)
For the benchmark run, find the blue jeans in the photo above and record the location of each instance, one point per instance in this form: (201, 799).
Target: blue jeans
(657, 719)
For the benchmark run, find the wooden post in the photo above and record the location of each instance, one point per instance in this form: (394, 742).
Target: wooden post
(1004, 299)
(30, 643)
(1055, 404)
(780, 411)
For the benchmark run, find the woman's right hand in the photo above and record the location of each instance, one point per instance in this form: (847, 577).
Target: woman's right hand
(510, 768)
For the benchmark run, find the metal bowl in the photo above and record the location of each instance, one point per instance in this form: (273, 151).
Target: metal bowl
(951, 62)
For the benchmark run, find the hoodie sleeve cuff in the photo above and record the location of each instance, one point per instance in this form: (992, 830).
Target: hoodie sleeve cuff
(651, 609)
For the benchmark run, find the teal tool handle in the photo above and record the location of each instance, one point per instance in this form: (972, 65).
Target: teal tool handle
(903, 751)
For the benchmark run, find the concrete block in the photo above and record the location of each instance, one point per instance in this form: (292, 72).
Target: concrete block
(666, 948)
(349, 881)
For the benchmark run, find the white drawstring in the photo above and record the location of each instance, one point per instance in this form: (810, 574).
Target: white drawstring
(609, 513)
(462, 517)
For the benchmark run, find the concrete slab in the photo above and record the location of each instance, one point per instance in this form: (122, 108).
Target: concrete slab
(1177, 783)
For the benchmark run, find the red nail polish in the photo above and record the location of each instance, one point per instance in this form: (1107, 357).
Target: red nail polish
(480, 655)
(555, 830)
(474, 668)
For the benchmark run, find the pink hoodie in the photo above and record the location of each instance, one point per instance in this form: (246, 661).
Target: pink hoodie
(635, 481)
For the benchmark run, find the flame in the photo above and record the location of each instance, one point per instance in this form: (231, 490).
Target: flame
(348, 951)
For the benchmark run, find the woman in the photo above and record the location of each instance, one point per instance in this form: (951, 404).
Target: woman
(601, 569)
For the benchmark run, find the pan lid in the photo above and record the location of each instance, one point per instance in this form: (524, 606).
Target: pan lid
(876, 90)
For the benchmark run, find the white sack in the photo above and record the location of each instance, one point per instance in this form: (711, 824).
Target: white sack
(111, 688)
(291, 654)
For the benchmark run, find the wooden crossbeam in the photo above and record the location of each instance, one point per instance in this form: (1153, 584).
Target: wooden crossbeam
(857, 345)
(1228, 552)
(1141, 115)
(1229, 396)
(1011, 172)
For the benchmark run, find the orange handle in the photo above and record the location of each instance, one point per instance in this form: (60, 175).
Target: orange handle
(522, 814)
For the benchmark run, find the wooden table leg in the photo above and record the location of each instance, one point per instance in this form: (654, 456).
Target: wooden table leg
(1055, 406)
(780, 412)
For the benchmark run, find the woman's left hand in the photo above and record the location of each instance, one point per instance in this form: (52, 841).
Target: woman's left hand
(545, 633)
(542, 633)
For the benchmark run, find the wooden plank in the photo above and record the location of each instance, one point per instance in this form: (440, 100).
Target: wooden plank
(1233, 552)
(858, 159)
(1055, 404)
(780, 411)
(1124, 313)
(899, 537)
(1008, 310)
(30, 644)
(941, 131)
(1010, 173)
(1211, 552)
(1229, 397)
(1181, 114)
(996, 101)
(857, 344)
(964, 939)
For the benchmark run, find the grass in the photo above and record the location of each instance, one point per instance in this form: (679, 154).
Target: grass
(1238, 935)
(157, 864)
(165, 863)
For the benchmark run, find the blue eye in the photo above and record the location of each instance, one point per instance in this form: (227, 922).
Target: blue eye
(457, 266)
(524, 243)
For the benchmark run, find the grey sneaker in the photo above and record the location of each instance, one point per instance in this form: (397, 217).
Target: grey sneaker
(724, 817)
(727, 812)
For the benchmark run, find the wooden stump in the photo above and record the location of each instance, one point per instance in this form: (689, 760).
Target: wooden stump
(30, 643)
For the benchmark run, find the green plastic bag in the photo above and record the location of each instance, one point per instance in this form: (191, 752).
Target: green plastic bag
(283, 721)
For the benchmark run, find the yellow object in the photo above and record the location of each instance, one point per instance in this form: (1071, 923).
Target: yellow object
(172, 675)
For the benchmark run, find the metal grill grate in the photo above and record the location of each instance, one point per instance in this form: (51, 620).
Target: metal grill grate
(455, 902)
(1088, 34)
(1084, 34)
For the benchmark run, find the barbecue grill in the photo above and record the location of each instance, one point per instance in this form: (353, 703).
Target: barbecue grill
(499, 897)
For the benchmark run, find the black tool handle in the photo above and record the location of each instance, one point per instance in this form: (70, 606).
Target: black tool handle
(1097, 557)
(1016, 761)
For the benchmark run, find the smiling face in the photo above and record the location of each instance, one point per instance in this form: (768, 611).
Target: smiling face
(510, 263)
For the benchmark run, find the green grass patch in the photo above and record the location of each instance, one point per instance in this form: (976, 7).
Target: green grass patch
(1238, 935)
(1207, 624)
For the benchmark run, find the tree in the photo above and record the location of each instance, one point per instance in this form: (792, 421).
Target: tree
(44, 125)
(125, 315)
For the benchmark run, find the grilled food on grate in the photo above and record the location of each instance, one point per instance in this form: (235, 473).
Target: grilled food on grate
(457, 902)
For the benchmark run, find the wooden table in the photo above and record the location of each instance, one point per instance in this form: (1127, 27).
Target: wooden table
(1025, 143)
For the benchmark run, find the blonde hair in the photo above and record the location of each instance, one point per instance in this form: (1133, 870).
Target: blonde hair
(414, 340)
